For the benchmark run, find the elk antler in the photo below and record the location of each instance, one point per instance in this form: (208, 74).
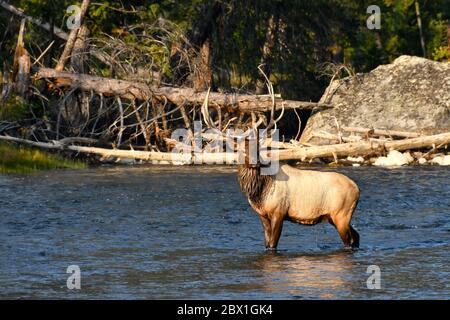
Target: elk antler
(272, 123)
(210, 123)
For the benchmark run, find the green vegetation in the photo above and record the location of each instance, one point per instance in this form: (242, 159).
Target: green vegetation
(21, 159)
(14, 108)
(308, 34)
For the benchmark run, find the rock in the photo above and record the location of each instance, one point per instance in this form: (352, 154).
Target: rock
(417, 154)
(357, 160)
(442, 160)
(394, 158)
(422, 161)
(411, 94)
(128, 161)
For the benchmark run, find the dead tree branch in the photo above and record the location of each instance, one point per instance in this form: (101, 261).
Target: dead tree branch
(141, 91)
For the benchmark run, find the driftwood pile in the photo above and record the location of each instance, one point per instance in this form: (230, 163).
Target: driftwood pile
(132, 119)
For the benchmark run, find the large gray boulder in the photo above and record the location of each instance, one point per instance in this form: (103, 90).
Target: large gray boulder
(411, 94)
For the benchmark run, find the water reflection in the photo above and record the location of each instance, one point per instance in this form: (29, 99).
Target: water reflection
(303, 275)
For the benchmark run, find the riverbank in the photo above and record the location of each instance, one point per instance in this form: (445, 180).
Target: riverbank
(20, 159)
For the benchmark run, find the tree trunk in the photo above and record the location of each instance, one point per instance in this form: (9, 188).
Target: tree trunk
(203, 76)
(267, 52)
(141, 91)
(76, 109)
(21, 65)
(448, 39)
(72, 38)
(419, 24)
(199, 36)
(378, 41)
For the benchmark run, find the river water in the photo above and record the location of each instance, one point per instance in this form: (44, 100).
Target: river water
(187, 232)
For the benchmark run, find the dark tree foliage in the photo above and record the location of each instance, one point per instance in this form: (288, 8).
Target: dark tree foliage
(307, 35)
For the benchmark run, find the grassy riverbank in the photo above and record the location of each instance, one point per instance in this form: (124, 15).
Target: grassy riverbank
(19, 159)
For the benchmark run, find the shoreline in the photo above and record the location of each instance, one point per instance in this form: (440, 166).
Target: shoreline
(25, 160)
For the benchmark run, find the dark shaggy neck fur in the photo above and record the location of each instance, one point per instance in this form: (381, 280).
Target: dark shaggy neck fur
(254, 185)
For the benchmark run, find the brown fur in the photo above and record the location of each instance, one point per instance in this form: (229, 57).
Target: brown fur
(301, 196)
(254, 185)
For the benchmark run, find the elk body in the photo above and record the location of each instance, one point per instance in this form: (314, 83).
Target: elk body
(302, 196)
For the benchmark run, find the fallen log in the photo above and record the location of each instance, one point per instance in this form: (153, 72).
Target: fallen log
(363, 147)
(169, 157)
(165, 157)
(378, 132)
(105, 86)
(37, 144)
(334, 137)
(242, 102)
(179, 96)
(302, 153)
(212, 137)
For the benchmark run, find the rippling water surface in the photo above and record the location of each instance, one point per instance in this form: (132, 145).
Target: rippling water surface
(187, 232)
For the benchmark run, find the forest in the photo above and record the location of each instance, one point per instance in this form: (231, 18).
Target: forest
(172, 52)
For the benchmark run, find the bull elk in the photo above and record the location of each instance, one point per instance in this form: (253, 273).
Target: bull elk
(301, 196)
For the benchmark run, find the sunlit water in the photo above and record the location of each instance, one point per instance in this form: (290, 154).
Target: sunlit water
(187, 232)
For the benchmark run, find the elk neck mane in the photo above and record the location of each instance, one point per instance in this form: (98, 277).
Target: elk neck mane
(254, 185)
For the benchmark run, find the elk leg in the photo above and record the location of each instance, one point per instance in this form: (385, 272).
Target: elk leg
(354, 235)
(349, 236)
(267, 229)
(354, 238)
(277, 226)
(343, 228)
(344, 232)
